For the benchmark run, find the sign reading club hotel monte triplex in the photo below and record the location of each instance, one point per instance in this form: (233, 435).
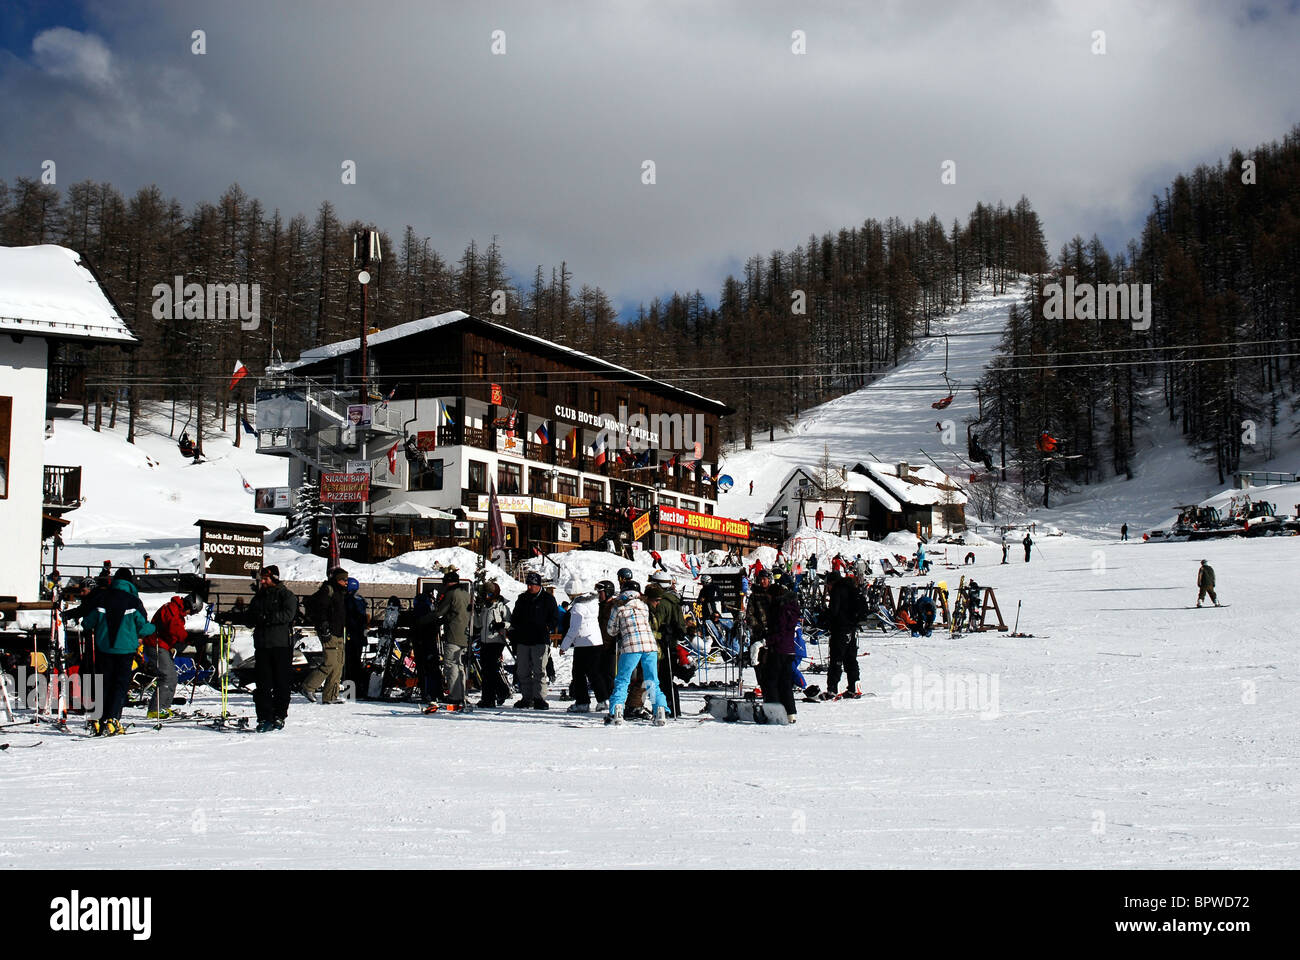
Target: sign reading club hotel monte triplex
(703, 522)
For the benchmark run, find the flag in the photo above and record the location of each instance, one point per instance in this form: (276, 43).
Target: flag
(496, 529)
(334, 543)
(390, 396)
(571, 445)
(248, 488)
(392, 458)
(598, 450)
(542, 436)
(241, 371)
(444, 418)
(248, 427)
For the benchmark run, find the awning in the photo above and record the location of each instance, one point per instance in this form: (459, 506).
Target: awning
(507, 518)
(408, 509)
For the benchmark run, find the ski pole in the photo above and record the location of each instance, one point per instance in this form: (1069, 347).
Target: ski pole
(1016, 628)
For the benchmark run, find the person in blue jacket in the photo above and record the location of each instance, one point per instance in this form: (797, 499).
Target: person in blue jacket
(117, 623)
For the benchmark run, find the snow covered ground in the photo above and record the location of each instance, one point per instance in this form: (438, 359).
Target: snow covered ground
(1130, 731)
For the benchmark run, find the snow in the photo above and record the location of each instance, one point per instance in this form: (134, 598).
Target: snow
(47, 290)
(328, 351)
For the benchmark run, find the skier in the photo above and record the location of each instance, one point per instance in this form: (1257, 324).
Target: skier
(1028, 545)
(357, 617)
(118, 624)
(820, 516)
(921, 565)
(160, 651)
(657, 560)
(1205, 584)
(758, 617)
(531, 622)
(629, 623)
(779, 646)
(271, 614)
(841, 613)
(751, 488)
(1006, 545)
(327, 608)
(607, 595)
(669, 627)
(1123, 532)
(453, 612)
(424, 645)
(583, 636)
(493, 623)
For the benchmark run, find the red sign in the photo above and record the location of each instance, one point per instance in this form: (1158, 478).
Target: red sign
(426, 440)
(703, 522)
(344, 487)
(496, 394)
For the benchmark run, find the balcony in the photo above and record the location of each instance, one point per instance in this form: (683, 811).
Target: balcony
(61, 489)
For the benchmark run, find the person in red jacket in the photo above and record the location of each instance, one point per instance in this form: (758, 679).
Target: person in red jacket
(160, 652)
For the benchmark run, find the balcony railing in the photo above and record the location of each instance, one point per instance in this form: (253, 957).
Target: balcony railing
(61, 488)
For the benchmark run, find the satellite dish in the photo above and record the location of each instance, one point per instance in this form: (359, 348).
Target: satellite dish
(363, 277)
(725, 483)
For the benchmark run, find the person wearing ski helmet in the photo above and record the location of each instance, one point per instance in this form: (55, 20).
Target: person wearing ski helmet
(118, 624)
(160, 651)
(534, 618)
(328, 610)
(358, 618)
(1205, 584)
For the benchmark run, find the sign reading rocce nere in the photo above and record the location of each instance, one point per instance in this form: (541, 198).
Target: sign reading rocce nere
(230, 549)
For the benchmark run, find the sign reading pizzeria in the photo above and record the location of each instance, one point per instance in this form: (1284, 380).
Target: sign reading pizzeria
(705, 523)
(344, 487)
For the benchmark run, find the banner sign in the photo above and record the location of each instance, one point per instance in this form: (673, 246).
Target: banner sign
(549, 508)
(564, 532)
(344, 487)
(579, 513)
(705, 523)
(426, 440)
(272, 499)
(230, 549)
(641, 526)
(359, 466)
(509, 444)
(359, 414)
(495, 394)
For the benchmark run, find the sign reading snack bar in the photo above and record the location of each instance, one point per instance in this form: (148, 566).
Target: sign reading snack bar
(344, 487)
(705, 523)
(230, 549)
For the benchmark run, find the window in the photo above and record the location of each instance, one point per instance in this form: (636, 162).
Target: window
(425, 476)
(621, 403)
(594, 490)
(539, 484)
(542, 376)
(708, 437)
(571, 394)
(566, 485)
(477, 477)
(593, 400)
(690, 505)
(480, 366)
(6, 421)
(667, 501)
(510, 478)
(640, 498)
(516, 377)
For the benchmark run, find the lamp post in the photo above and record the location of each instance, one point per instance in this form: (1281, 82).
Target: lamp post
(365, 252)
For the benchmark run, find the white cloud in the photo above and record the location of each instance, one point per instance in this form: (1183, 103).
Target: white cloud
(72, 55)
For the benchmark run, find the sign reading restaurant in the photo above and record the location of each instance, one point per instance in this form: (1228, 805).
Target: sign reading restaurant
(344, 487)
(703, 522)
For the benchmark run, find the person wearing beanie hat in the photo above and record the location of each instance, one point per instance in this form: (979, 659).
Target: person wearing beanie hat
(328, 610)
(270, 613)
(534, 618)
(118, 623)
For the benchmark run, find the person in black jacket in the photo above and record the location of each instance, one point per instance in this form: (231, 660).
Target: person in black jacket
(328, 611)
(271, 614)
(531, 624)
(842, 612)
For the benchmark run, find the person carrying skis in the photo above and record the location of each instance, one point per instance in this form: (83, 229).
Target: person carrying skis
(118, 623)
(452, 612)
(1205, 584)
(493, 623)
(842, 616)
(327, 609)
(583, 636)
(629, 624)
(160, 652)
(271, 614)
(531, 623)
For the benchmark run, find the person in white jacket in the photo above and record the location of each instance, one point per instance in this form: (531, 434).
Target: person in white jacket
(584, 638)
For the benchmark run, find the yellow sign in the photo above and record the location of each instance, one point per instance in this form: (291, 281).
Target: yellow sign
(641, 526)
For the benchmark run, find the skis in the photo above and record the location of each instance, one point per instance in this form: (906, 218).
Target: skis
(958, 607)
(20, 746)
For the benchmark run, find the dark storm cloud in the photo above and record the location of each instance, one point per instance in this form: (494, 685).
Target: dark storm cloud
(755, 147)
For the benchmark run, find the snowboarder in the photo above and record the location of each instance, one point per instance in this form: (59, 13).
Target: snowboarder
(533, 619)
(1028, 545)
(1123, 532)
(1205, 584)
(583, 636)
(657, 560)
(821, 515)
(327, 609)
(118, 625)
(629, 623)
(271, 614)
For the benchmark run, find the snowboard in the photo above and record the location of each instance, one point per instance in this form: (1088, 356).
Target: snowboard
(745, 711)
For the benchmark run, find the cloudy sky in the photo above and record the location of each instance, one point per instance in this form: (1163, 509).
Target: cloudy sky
(754, 146)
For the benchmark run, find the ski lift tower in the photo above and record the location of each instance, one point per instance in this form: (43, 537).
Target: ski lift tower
(365, 253)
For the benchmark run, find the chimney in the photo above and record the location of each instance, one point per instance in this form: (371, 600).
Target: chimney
(902, 470)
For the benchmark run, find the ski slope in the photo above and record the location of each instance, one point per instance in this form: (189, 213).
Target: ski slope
(891, 418)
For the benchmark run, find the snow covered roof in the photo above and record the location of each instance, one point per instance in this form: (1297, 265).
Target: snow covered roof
(835, 482)
(48, 291)
(923, 485)
(331, 350)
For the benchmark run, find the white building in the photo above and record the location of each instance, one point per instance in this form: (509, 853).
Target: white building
(48, 296)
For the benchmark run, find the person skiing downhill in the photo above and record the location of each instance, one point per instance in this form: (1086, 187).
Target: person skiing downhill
(1205, 584)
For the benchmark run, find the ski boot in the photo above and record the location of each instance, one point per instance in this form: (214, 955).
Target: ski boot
(579, 708)
(160, 714)
(616, 717)
(661, 718)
